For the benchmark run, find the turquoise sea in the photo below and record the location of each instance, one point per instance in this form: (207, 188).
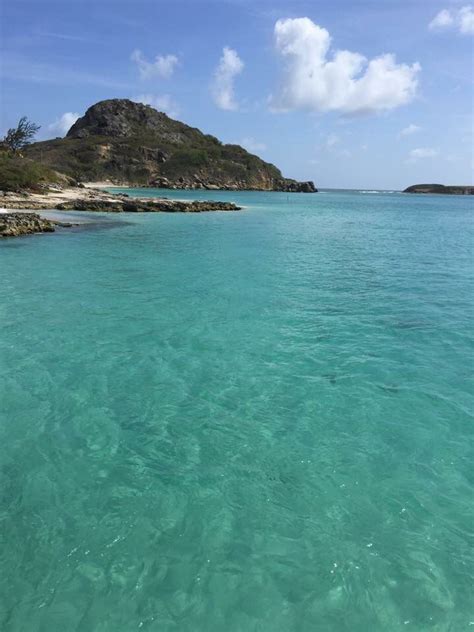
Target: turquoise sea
(241, 422)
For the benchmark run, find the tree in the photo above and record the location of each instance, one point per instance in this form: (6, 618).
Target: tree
(21, 135)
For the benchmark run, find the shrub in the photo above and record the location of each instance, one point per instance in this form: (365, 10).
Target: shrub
(17, 173)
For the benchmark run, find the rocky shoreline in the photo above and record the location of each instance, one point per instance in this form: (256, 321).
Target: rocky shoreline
(135, 205)
(198, 183)
(95, 200)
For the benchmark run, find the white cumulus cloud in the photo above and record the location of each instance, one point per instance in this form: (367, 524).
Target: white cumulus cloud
(222, 87)
(63, 124)
(461, 19)
(163, 103)
(410, 129)
(423, 152)
(466, 20)
(318, 79)
(441, 20)
(162, 66)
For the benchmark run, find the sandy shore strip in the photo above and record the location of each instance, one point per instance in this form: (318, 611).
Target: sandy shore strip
(105, 184)
(50, 199)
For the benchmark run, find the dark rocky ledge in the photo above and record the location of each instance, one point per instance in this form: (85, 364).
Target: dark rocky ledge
(133, 205)
(16, 224)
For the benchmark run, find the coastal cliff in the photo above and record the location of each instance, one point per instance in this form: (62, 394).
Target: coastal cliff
(130, 143)
(440, 188)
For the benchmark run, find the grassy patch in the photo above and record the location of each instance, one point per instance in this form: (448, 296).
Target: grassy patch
(18, 173)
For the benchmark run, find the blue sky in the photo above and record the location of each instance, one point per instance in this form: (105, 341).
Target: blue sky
(269, 75)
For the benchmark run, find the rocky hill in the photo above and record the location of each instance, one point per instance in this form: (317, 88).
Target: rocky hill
(440, 188)
(131, 143)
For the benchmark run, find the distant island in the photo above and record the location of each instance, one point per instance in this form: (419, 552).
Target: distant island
(440, 188)
(128, 143)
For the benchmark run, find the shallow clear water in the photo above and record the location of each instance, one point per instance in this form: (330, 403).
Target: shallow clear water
(256, 421)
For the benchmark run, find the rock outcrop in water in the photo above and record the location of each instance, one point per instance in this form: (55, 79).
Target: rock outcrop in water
(440, 188)
(135, 205)
(297, 187)
(16, 224)
(133, 144)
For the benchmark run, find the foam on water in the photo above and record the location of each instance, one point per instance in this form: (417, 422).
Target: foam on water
(255, 421)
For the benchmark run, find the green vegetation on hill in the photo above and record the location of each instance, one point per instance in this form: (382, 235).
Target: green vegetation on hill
(18, 173)
(139, 160)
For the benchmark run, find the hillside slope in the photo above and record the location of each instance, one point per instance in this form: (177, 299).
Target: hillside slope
(18, 173)
(132, 143)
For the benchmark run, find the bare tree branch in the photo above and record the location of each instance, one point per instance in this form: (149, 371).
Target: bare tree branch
(18, 137)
